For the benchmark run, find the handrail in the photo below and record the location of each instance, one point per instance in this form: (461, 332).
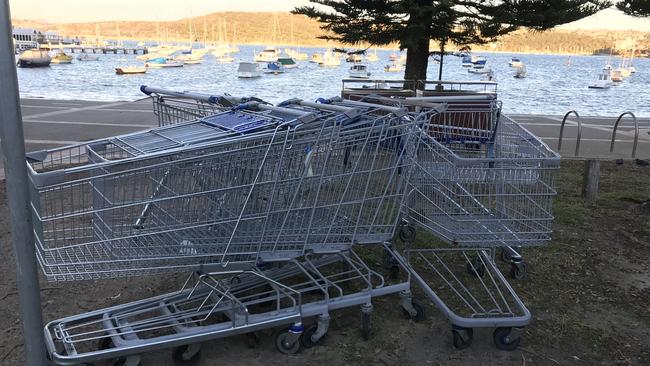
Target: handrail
(636, 132)
(559, 143)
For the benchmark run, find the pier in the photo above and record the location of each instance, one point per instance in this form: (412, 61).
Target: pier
(80, 48)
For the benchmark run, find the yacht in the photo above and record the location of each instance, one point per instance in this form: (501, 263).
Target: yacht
(87, 57)
(330, 59)
(515, 62)
(287, 61)
(273, 68)
(34, 58)
(520, 72)
(354, 57)
(61, 58)
(394, 66)
(604, 80)
(467, 61)
(269, 54)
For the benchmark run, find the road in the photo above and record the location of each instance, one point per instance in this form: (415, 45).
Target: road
(51, 123)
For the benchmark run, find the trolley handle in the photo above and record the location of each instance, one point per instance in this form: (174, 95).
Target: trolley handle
(213, 99)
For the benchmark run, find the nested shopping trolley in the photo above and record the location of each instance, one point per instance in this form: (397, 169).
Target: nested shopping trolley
(480, 182)
(224, 197)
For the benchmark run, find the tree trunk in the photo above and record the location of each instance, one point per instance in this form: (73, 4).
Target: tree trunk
(442, 58)
(417, 60)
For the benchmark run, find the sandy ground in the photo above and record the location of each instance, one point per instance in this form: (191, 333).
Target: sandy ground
(588, 292)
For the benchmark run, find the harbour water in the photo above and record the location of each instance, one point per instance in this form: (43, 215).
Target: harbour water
(555, 84)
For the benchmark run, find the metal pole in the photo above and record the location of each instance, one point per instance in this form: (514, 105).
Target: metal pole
(12, 141)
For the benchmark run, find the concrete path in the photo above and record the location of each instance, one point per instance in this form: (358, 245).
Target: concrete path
(51, 123)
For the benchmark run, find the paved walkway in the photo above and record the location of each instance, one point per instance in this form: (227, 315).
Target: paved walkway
(51, 123)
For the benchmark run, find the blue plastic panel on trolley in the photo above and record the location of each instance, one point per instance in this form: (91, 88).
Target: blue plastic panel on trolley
(238, 122)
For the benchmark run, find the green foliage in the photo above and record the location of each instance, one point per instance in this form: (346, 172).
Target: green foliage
(636, 8)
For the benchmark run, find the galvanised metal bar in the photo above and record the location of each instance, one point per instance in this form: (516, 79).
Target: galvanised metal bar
(11, 135)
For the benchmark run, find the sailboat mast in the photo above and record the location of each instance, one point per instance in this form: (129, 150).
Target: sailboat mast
(291, 41)
(225, 31)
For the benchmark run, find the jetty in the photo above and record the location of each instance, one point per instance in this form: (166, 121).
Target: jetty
(92, 48)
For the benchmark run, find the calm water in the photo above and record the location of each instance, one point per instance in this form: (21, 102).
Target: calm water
(550, 88)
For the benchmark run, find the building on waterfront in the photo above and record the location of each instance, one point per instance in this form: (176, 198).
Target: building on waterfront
(26, 38)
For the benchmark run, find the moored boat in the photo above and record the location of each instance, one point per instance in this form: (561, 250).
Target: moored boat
(515, 62)
(162, 62)
(359, 71)
(34, 58)
(604, 80)
(287, 61)
(62, 58)
(520, 72)
(87, 57)
(128, 70)
(274, 68)
(394, 66)
(269, 54)
(249, 70)
(466, 61)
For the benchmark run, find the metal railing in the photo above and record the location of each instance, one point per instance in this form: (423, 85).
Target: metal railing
(559, 142)
(636, 132)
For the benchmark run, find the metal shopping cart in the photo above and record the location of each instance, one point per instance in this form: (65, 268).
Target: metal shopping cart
(308, 180)
(480, 182)
(173, 107)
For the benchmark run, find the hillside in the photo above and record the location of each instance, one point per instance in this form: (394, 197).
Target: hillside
(256, 28)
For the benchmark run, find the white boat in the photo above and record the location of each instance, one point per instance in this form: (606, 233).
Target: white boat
(316, 58)
(625, 71)
(466, 61)
(330, 59)
(273, 68)
(515, 62)
(354, 57)
(359, 71)
(163, 62)
(394, 66)
(87, 57)
(478, 60)
(128, 70)
(604, 80)
(480, 70)
(34, 58)
(269, 54)
(520, 71)
(190, 59)
(393, 57)
(249, 70)
(616, 75)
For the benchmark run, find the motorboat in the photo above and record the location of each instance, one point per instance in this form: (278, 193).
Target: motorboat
(466, 61)
(34, 58)
(61, 58)
(625, 71)
(162, 62)
(359, 71)
(296, 55)
(249, 70)
(372, 57)
(273, 68)
(393, 57)
(190, 59)
(515, 62)
(287, 61)
(269, 54)
(520, 71)
(87, 57)
(478, 60)
(394, 66)
(129, 70)
(226, 58)
(604, 80)
(482, 69)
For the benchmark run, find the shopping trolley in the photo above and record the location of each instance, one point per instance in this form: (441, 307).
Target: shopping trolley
(480, 181)
(314, 180)
(173, 107)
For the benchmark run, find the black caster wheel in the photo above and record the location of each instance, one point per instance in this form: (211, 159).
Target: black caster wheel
(407, 233)
(462, 337)
(305, 338)
(502, 342)
(365, 326)
(419, 312)
(182, 358)
(284, 345)
(476, 267)
(518, 270)
(252, 340)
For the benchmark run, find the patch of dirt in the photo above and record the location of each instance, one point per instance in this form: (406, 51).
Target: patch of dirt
(588, 293)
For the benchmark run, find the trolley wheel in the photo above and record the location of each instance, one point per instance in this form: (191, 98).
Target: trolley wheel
(407, 233)
(501, 340)
(252, 339)
(283, 344)
(419, 312)
(518, 270)
(181, 358)
(305, 338)
(462, 337)
(365, 326)
(476, 267)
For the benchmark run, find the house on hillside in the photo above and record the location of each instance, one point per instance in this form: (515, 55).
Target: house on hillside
(26, 38)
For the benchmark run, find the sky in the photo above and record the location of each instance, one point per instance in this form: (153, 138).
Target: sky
(63, 11)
